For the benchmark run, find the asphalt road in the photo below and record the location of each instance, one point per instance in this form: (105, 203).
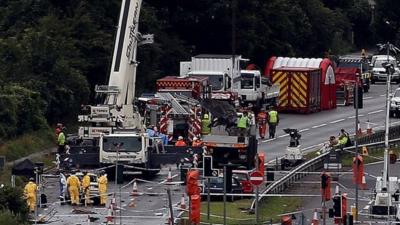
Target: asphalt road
(152, 208)
(317, 127)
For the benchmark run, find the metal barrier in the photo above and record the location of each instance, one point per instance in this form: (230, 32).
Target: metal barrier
(317, 162)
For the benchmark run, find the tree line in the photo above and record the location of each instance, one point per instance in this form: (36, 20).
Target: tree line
(52, 53)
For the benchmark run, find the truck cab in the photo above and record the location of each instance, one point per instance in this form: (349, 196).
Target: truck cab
(128, 148)
(255, 89)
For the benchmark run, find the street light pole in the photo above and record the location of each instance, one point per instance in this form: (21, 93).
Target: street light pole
(356, 140)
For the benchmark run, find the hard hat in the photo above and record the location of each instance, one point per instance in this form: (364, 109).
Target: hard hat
(195, 139)
(205, 116)
(180, 138)
(31, 179)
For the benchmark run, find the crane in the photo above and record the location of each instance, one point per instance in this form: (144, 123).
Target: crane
(117, 110)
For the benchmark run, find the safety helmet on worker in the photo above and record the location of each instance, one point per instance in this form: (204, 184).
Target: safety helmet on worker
(195, 139)
(205, 116)
(180, 138)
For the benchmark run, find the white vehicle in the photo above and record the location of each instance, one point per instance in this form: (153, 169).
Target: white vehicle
(395, 104)
(229, 83)
(379, 72)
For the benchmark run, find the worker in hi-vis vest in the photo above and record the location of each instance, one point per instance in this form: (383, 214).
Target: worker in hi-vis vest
(273, 121)
(205, 125)
(243, 124)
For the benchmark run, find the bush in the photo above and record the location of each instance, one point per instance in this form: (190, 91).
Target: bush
(11, 200)
(7, 217)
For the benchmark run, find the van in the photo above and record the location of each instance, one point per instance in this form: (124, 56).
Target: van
(379, 72)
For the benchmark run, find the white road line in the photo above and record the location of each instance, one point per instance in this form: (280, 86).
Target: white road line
(321, 125)
(369, 97)
(285, 135)
(374, 112)
(337, 121)
(361, 115)
(303, 130)
(382, 95)
(351, 117)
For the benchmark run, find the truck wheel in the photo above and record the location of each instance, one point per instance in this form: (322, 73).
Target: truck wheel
(150, 174)
(391, 114)
(96, 200)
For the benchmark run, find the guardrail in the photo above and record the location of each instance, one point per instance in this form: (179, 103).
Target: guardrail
(317, 162)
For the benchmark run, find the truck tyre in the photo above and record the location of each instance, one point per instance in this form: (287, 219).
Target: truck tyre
(391, 114)
(149, 174)
(96, 200)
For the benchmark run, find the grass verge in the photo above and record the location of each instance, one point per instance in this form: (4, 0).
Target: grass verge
(237, 211)
(27, 144)
(23, 146)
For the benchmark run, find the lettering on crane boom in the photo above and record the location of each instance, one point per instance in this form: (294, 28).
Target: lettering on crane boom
(132, 34)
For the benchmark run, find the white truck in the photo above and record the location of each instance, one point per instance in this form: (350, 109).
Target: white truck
(229, 82)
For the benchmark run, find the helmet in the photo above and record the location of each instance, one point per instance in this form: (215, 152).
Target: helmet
(31, 179)
(180, 138)
(206, 116)
(195, 139)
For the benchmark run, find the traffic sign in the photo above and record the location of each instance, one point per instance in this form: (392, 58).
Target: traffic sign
(256, 178)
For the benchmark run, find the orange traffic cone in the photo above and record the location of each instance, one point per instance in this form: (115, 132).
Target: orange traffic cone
(369, 128)
(359, 131)
(363, 183)
(337, 190)
(183, 204)
(132, 204)
(364, 151)
(113, 202)
(169, 178)
(109, 217)
(315, 220)
(135, 189)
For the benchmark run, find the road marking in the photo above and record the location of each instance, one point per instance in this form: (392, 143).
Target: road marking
(367, 98)
(374, 112)
(321, 125)
(285, 135)
(361, 115)
(382, 95)
(351, 117)
(312, 146)
(303, 130)
(337, 121)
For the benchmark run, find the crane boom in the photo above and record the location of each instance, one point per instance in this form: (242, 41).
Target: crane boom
(123, 69)
(116, 109)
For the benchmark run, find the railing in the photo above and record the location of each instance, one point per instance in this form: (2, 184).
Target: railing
(375, 140)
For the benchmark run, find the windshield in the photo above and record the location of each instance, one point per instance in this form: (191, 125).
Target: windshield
(215, 80)
(127, 144)
(247, 81)
(378, 63)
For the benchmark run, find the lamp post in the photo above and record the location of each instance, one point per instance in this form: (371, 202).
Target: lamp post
(390, 70)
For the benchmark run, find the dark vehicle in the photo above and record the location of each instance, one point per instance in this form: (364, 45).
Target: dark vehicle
(217, 186)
